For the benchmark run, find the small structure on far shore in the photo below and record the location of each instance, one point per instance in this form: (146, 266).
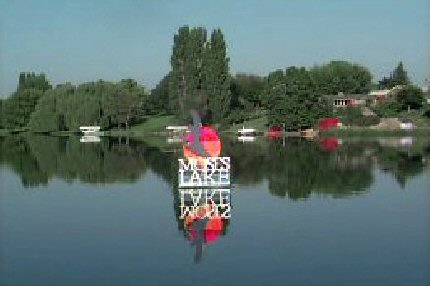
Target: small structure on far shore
(91, 130)
(176, 134)
(407, 124)
(246, 134)
(247, 131)
(176, 129)
(344, 100)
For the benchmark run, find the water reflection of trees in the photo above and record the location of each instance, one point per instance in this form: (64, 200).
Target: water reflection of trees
(39, 158)
(296, 168)
(293, 168)
(404, 163)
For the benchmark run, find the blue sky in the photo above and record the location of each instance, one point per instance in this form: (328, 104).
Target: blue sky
(82, 40)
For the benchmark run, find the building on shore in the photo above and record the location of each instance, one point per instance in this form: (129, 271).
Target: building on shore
(373, 97)
(344, 100)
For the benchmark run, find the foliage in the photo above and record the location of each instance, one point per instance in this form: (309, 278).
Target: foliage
(39, 158)
(124, 103)
(158, 101)
(426, 111)
(200, 74)
(199, 79)
(95, 103)
(388, 108)
(185, 91)
(293, 99)
(2, 102)
(246, 91)
(16, 109)
(397, 77)
(341, 76)
(407, 98)
(216, 78)
(352, 116)
(410, 97)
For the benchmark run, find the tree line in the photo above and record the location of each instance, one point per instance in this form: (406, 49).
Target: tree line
(200, 79)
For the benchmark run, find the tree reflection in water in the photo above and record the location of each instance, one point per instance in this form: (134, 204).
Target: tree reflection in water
(295, 168)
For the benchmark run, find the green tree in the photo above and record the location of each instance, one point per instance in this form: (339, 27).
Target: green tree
(410, 97)
(341, 76)
(53, 109)
(247, 91)
(19, 106)
(185, 89)
(158, 101)
(295, 102)
(400, 76)
(397, 77)
(1, 113)
(353, 116)
(216, 79)
(94, 103)
(129, 98)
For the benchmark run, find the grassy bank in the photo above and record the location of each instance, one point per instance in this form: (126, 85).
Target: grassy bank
(156, 125)
(259, 124)
(152, 125)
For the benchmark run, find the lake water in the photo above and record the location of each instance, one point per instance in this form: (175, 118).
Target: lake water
(323, 212)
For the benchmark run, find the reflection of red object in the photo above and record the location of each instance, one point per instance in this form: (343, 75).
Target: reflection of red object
(329, 143)
(274, 132)
(328, 123)
(208, 138)
(212, 229)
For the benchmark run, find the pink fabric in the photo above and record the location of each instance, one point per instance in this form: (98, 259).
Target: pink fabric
(211, 235)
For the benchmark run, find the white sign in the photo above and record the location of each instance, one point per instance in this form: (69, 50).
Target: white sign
(204, 172)
(213, 202)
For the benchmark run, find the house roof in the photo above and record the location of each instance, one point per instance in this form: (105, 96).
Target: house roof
(350, 96)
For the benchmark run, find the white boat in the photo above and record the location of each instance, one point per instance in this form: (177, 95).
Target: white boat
(247, 131)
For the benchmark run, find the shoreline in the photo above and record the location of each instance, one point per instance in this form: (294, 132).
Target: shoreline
(352, 131)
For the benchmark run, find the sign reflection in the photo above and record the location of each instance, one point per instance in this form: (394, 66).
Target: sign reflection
(203, 215)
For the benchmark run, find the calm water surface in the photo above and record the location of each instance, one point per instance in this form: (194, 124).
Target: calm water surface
(324, 212)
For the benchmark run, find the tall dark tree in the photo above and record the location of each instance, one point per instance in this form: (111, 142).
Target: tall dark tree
(247, 91)
(410, 97)
(216, 79)
(185, 91)
(1, 113)
(398, 77)
(158, 101)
